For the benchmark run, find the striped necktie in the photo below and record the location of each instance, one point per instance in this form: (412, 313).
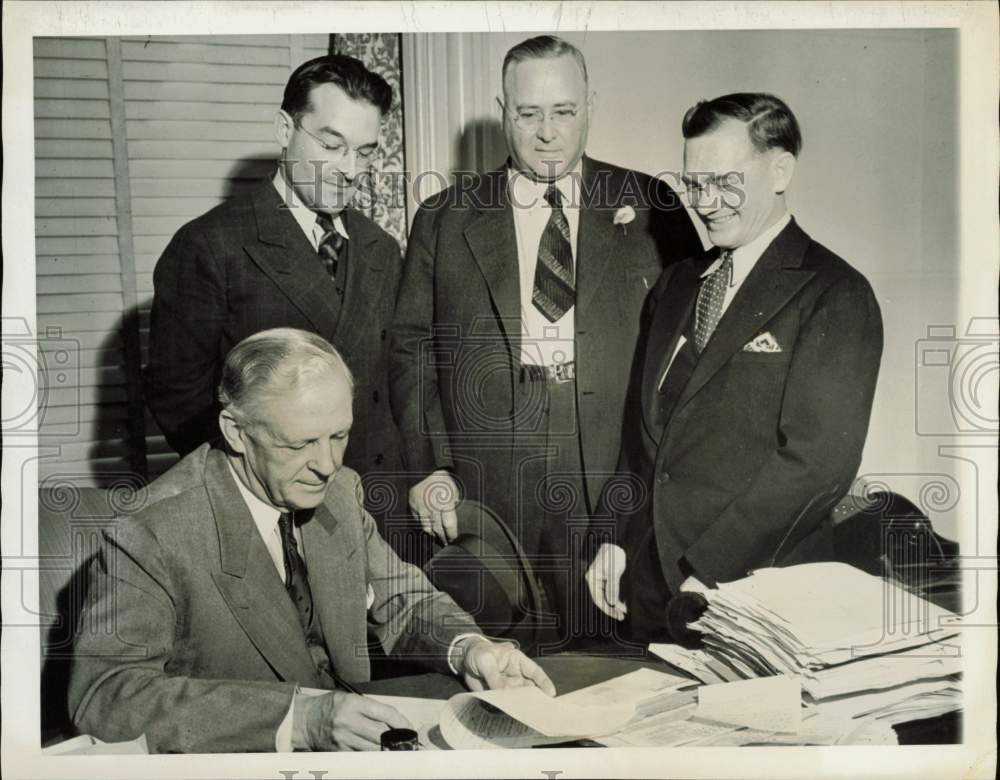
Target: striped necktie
(331, 246)
(554, 293)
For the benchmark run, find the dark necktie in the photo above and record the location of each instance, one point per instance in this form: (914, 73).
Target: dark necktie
(710, 299)
(331, 246)
(296, 578)
(554, 292)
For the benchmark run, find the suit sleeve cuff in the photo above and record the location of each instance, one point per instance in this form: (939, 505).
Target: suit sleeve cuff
(283, 736)
(456, 654)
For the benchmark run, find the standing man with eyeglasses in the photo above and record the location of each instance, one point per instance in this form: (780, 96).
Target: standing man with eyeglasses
(291, 253)
(517, 321)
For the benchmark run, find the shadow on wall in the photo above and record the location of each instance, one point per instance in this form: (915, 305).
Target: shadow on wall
(133, 427)
(480, 147)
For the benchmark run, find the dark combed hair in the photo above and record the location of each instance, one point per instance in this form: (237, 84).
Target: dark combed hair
(542, 47)
(346, 72)
(770, 123)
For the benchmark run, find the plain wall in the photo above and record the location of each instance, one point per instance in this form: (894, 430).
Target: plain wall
(876, 181)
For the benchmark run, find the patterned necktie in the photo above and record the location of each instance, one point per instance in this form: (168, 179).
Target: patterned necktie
(554, 293)
(296, 579)
(710, 299)
(331, 246)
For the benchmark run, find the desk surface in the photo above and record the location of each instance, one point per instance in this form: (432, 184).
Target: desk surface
(570, 671)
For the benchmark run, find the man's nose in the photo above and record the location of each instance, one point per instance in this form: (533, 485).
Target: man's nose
(546, 130)
(327, 460)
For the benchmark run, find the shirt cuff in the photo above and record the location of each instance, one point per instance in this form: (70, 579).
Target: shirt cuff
(283, 736)
(454, 656)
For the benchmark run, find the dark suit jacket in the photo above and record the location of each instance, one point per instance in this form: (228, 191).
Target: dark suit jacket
(760, 445)
(456, 339)
(188, 635)
(246, 266)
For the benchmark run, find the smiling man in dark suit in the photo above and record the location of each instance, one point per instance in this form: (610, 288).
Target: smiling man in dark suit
(290, 253)
(756, 382)
(517, 319)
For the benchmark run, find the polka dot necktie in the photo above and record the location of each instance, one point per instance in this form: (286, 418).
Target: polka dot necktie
(296, 579)
(331, 246)
(710, 299)
(554, 293)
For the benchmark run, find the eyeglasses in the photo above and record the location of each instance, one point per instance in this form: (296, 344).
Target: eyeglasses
(337, 152)
(532, 118)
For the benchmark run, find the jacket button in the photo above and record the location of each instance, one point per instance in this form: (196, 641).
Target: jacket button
(662, 478)
(382, 335)
(379, 459)
(375, 396)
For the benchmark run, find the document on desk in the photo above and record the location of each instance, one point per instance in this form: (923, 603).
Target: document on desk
(765, 703)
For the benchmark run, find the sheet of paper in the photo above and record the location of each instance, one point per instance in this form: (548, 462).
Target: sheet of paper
(469, 723)
(556, 716)
(765, 703)
(627, 689)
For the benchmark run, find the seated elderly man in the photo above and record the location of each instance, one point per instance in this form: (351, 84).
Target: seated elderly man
(254, 570)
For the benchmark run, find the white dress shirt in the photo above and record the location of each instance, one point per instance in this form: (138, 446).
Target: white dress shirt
(744, 259)
(304, 215)
(543, 343)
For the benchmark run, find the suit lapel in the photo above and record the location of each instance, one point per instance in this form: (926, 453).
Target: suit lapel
(365, 279)
(283, 252)
(249, 580)
(668, 322)
(772, 283)
(339, 599)
(596, 237)
(492, 240)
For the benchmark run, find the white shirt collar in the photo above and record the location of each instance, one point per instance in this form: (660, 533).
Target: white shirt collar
(529, 193)
(745, 257)
(265, 516)
(304, 215)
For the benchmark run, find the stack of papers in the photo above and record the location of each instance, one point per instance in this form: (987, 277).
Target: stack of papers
(861, 646)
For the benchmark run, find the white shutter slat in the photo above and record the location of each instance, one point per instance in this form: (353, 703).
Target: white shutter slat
(72, 109)
(64, 68)
(84, 207)
(95, 321)
(198, 150)
(79, 283)
(77, 89)
(204, 111)
(205, 169)
(173, 207)
(74, 188)
(200, 92)
(250, 42)
(90, 245)
(214, 74)
(76, 226)
(71, 150)
(161, 51)
(148, 189)
(80, 302)
(94, 264)
(73, 128)
(261, 131)
(71, 48)
(74, 169)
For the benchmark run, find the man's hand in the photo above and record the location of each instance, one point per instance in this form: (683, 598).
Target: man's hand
(433, 501)
(604, 580)
(488, 665)
(341, 721)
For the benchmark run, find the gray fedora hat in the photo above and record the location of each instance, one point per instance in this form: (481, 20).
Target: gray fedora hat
(484, 569)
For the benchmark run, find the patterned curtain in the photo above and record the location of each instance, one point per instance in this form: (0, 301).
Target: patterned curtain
(380, 52)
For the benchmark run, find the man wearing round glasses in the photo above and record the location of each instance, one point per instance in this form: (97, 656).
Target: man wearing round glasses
(517, 320)
(290, 253)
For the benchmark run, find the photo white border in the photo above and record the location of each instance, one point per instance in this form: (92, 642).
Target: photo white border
(978, 68)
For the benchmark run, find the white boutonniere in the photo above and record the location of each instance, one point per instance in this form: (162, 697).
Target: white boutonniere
(623, 216)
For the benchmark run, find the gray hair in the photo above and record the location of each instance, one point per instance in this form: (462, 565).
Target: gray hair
(540, 48)
(271, 362)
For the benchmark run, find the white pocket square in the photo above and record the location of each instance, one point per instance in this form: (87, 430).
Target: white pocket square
(765, 342)
(369, 598)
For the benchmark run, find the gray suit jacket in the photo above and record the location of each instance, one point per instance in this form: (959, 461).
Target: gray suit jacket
(188, 635)
(456, 341)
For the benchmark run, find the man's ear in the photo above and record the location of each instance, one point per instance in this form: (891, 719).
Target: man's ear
(782, 170)
(284, 126)
(232, 431)
(591, 105)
